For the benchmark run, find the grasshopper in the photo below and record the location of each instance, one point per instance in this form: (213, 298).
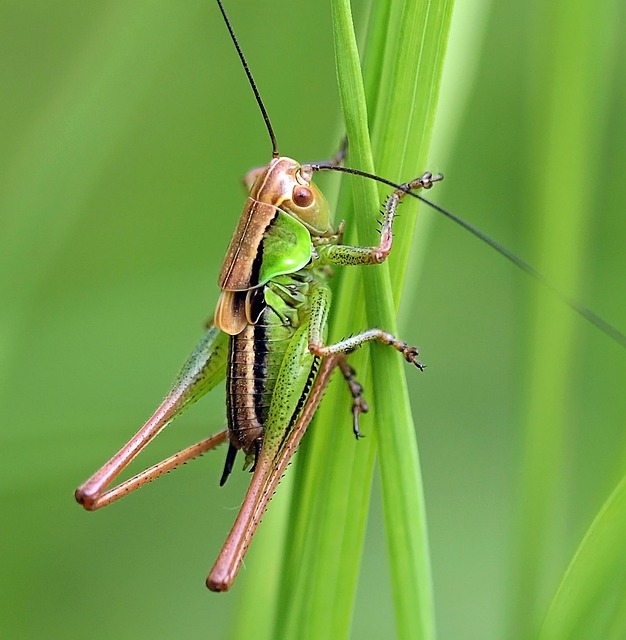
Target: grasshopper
(268, 336)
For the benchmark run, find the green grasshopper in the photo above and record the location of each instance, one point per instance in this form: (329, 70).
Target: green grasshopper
(268, 337)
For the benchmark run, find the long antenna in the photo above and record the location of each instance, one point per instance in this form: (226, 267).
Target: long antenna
(608, 329)
(257, 95)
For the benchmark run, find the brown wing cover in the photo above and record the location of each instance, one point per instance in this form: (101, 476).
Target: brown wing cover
(236, 274)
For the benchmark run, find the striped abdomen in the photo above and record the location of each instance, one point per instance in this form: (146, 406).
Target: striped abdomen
(254, 362)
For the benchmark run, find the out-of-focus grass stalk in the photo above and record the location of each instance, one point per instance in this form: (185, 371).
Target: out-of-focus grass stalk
(569, 101)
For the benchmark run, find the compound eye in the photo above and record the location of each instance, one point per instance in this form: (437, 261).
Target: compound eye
(302, 197)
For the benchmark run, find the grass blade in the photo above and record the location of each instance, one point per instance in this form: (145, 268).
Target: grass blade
(333, 498)
(569, 101)
(589, 602)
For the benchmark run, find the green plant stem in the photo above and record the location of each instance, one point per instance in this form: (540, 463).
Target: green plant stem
(335, 475)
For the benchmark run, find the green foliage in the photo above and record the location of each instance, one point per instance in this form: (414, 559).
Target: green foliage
(125, 128)
(328, 523)
(590, 599)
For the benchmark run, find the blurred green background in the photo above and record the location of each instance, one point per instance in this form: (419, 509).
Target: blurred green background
(125, 128)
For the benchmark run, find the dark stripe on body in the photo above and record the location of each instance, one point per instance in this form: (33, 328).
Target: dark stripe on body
(259, 369)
